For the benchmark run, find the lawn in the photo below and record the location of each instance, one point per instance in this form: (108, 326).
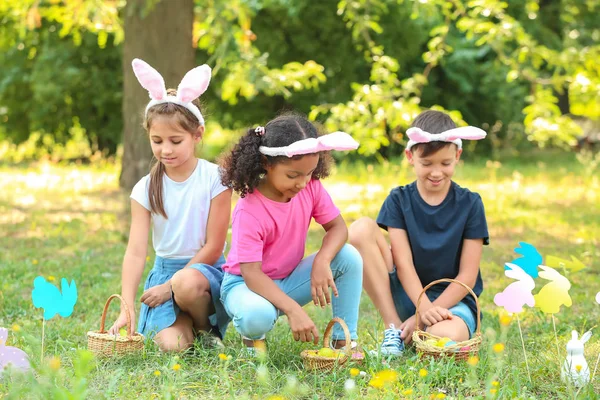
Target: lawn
(72, 221)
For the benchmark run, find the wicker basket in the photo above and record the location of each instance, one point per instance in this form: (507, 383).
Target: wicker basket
(461, 350)
(320, 363)
(103, 344)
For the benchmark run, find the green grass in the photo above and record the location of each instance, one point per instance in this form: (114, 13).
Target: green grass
(72, 221)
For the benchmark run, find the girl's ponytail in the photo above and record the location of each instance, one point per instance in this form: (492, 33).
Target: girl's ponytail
(242, 168)
(155, 189)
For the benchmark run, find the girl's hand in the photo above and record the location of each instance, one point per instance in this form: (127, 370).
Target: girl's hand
(435, 314)
(321, 279)
(157, 295)
(303, 328)
(122, 322)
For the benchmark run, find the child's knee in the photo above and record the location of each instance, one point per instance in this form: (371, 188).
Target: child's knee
(171, 341)
(348, 260)
(255, 317)
(189, 284)
(454, 328)
(362, 230)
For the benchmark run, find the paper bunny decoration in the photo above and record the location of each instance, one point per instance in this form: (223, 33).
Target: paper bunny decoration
(553, 294)
(517, 293)
(530, 259)
(193, 85)
(598, 297)
(575, 367)
(11, 355)
(48, 297)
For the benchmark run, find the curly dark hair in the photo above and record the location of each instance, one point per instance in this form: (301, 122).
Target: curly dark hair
(243, 167)
(432, 121)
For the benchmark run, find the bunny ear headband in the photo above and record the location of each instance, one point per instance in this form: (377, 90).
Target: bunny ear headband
(193, 84)
(417, 135)
(333, 141)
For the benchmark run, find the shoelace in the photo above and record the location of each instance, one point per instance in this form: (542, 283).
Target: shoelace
(391, 336)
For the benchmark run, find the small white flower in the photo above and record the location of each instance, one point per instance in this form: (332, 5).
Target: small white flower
(349, 385)
(362, 373)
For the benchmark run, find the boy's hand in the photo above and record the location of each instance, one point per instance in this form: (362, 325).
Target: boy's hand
(303, 328)
(408, 327)
(321, 279)
(435, 314)
(157, 295)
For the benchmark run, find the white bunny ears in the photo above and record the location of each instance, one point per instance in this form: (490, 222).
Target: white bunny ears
(333, 141)
(193, 84)
(417, 135)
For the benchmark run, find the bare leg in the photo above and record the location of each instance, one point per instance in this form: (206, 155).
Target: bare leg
(191, 291)
(455, 329)
(177, 337)
(366, 236)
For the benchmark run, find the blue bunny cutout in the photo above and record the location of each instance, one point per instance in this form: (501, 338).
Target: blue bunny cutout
(48, 297)
(530, 260)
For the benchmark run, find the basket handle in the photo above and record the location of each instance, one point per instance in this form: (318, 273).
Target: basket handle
(327, 334)
(478, 330)
(103, 319)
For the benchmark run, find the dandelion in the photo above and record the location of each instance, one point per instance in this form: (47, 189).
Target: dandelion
(376, 383)
(473, 361)
(223, 357)
(440, 396)
(498, 348)
(383, 377)
(55, 363)
(16, 328)
(275, 397)
(422, 372)
(51, 278)
(505, 320)
(176, 367)
(495, 383)
(407, 392)
(349, 385)
(354, 372)
(157, 373)
(147, 258)
(34, 262)
(493, 391)
(578, 368)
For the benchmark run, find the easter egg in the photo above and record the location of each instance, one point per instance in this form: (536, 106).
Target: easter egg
(431, 342)
(450, 343)
(465, 348)
(327, 352)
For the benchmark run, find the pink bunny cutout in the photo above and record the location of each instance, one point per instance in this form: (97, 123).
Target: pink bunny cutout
(417, 135)
(517, 293)
(9, 355)
(193, 85)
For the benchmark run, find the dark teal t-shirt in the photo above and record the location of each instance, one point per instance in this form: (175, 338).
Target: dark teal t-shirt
(436, 233)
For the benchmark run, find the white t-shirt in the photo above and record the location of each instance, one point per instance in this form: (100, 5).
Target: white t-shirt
(187, 205)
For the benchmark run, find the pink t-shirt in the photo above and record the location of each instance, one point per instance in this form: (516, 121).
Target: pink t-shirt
(274, 233)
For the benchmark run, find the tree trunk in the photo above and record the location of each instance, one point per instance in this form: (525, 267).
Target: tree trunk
(163, 38)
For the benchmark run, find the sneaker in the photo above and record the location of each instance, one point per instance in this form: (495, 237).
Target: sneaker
(209, 340)
(392, 344)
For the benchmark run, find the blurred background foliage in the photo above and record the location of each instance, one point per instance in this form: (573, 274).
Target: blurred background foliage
(526, 71)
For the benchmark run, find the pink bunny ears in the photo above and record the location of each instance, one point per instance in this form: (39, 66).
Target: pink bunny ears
(332, 141)
(193, 84)
(417, 135)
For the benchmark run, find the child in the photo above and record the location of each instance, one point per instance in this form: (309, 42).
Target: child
(276, 169)
(189, 210)
(437, 230)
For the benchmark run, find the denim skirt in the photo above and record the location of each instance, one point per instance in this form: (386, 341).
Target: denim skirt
(154, 319)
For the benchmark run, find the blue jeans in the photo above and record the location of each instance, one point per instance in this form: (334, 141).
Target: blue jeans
(253, 315)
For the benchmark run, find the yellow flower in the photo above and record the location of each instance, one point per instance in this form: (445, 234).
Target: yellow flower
(34, 262)
(495, 383)
(376, 382)
(275, 397)
(407, 392)
(55, 363)
(440, 396)
(354, 372)
(473, 361)
(16, 328)
(493, 391)
(505, 320)
(387, 375)
(578, 368)
(157, 373)
(176, 367)
(422, 373)
(223, 357)
(148, 258)
(51, 278)
(498, 348)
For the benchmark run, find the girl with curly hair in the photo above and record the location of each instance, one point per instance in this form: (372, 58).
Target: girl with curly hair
(277, 169)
